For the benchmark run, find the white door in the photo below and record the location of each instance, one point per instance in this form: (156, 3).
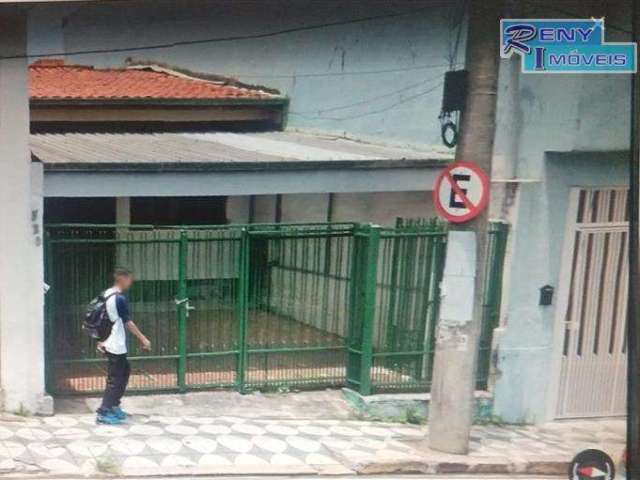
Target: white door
(593, 364)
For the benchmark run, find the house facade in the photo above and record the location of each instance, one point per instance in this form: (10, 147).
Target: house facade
(150, 144)
(120, 144)
(561, 181)
(337, 90)
(351, 109)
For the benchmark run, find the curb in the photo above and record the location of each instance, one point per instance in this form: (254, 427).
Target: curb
(463, 465)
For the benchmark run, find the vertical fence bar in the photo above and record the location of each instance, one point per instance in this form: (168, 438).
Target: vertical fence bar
(498, 235)
(354, 326)
(370, 278)
(243, 308)
(393, 293)
(424, 276)
(439, 245)
(182, 310)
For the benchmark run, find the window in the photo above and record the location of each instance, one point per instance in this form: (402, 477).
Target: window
(178, 210)
(80, 210)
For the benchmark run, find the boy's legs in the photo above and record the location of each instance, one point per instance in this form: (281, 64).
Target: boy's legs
(117, 377)
(125, 371)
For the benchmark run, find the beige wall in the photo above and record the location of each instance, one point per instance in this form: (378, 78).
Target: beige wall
(377, 207)
(265, 209)
(238, 209)
(382, 207)
(305, 207)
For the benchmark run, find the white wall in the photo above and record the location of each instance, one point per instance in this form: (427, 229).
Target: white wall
(21, 262)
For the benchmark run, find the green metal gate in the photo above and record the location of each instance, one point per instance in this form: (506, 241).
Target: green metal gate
(395, 296)
(298, 283)
(267, 306)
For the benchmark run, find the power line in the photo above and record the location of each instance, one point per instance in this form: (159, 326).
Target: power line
(372, 99)
(372, 112)
(394, 105)
(456, 23)
(340, 74)
(180, 43)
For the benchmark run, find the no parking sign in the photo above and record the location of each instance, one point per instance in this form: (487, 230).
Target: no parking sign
(461, 192)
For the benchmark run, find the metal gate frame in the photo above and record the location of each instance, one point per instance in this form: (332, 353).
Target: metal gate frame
(383, 285)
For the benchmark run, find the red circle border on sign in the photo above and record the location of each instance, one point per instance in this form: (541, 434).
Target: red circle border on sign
(484, 200)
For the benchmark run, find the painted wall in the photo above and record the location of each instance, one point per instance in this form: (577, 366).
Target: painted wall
(238, 209)
(21, 262)
(375, 78)
(381, 208)
(312, 207)
(264, 212)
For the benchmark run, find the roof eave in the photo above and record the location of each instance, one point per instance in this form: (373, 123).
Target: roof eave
(278, 102)
(288, 165)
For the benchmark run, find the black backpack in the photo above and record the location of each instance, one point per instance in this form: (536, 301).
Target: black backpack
(97, 323)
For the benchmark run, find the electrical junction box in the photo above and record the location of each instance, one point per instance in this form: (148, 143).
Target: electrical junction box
(454, 96)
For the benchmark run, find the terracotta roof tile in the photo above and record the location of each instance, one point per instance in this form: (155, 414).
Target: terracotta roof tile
(53, 79)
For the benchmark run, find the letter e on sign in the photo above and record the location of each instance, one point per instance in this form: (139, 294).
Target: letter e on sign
(461, 192)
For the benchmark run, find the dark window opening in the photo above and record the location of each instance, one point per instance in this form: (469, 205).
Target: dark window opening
(179, 210)
(100, 210)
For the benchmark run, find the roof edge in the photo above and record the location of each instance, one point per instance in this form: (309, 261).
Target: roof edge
(177, 71)
(160, 102)
(194, 167)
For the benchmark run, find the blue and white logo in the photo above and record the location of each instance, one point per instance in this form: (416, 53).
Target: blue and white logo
(565, 46)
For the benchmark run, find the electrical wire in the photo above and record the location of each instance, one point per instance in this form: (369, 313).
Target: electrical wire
(276, 33)
(341, 74)
(372, 112)
(456, 22)
(372, 99)
(234, 38)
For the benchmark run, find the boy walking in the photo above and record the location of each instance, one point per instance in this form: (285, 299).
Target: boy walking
(115, 348)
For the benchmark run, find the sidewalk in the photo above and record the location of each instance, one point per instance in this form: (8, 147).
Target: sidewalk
(154, 444)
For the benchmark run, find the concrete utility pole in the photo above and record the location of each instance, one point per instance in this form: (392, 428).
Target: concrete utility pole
(453, 386)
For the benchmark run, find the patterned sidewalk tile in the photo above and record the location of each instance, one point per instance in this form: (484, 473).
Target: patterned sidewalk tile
(161, 445)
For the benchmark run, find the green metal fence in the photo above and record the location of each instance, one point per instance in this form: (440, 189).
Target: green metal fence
(396, 285)
(252, 306)
(492, 295)
(497, 245)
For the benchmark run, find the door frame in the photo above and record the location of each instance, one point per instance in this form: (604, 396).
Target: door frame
(564, 291)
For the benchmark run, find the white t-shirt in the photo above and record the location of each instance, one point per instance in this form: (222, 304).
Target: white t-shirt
(118, 311)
